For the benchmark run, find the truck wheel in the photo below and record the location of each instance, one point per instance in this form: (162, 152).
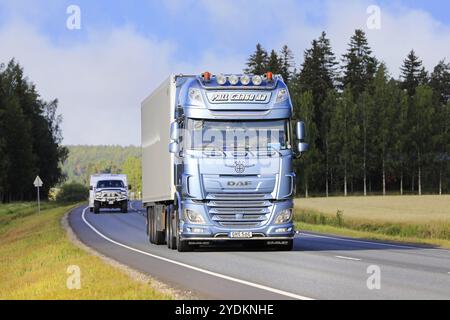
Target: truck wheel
(124, 206)
(170, 238)
(96, 207)
(149, 225)
(159, 236)
(182, 246)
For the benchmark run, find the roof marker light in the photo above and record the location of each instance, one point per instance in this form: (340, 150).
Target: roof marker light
(257, 80)
(206, 76)
(221, 79)
(234, 79)
(245, 80)
(269, 76)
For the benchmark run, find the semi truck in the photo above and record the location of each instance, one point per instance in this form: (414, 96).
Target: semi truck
(217, 161)
(108, 191)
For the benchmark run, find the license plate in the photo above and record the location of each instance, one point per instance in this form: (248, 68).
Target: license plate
(111, 202)
(241, 234)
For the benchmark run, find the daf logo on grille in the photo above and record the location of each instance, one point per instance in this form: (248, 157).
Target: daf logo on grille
(239, 183)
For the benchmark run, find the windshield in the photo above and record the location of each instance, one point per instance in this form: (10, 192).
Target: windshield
(110, 184)
(258, 135)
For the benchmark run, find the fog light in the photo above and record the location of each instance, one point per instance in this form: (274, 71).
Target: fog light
(197, 230)
(281, 230)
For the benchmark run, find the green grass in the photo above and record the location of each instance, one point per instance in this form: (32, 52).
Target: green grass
(424, 220)
(35, 254)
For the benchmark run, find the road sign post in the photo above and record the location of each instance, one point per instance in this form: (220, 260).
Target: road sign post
(38, 183)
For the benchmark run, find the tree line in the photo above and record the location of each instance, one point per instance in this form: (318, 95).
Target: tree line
(367, 131)
(83, 160)
(30, 137)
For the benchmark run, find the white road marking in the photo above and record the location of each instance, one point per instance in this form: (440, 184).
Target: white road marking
(211, 273)
(348, 258)
(365, 242)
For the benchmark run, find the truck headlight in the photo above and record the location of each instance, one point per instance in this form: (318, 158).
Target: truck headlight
(195, 96)
(193, 216)
(282, 95)
(284, 216)
(98, 194)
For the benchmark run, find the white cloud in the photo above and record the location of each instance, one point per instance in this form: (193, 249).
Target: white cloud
(99, 84)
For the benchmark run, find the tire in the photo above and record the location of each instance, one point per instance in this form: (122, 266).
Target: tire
(124, 207)
(170, 234)
(149, 225)
(96, 207)
(182, 246)
(155, 237)
(91, 209)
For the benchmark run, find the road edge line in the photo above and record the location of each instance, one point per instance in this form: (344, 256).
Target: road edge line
(181, 264)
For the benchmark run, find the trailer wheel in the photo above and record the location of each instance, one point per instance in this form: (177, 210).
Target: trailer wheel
(149, 225)
(159, 236)
(124, 206)
(96, 207)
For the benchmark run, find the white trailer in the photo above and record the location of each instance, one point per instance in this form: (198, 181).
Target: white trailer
(158, 112)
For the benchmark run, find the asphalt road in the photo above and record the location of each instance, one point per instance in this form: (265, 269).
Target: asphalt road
(319, 267)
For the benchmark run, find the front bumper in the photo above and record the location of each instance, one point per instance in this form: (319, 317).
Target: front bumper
(212, 231)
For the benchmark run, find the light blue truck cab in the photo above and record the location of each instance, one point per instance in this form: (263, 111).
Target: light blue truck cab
(231, 151)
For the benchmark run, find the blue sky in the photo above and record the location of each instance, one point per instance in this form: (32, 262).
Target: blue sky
(124, 49)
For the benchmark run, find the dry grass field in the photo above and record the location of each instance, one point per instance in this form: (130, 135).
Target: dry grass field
(421, 219)
(408, 209)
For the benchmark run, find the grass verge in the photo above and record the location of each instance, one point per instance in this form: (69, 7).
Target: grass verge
(35, 255)
(436, 233)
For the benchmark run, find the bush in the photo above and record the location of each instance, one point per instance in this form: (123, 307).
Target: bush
(72, 192)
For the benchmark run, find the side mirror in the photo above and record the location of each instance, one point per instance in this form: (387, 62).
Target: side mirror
(174, 147)
(301, 131)
(174, 131)
(129, 187)
(91, 188)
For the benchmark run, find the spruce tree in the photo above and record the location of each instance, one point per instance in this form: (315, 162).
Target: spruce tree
(359, 64)
(257, 63)
(440, 82)
(274, 63)
(413, 73)
(287, 63)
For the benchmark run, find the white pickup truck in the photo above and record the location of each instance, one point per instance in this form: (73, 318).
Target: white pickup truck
(108, 191)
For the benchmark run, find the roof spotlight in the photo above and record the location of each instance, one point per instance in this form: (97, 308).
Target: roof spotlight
(234, 79)
(221, 79)
(257, 80)
(245, 79)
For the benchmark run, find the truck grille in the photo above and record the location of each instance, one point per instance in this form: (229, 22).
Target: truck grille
(235, 213)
